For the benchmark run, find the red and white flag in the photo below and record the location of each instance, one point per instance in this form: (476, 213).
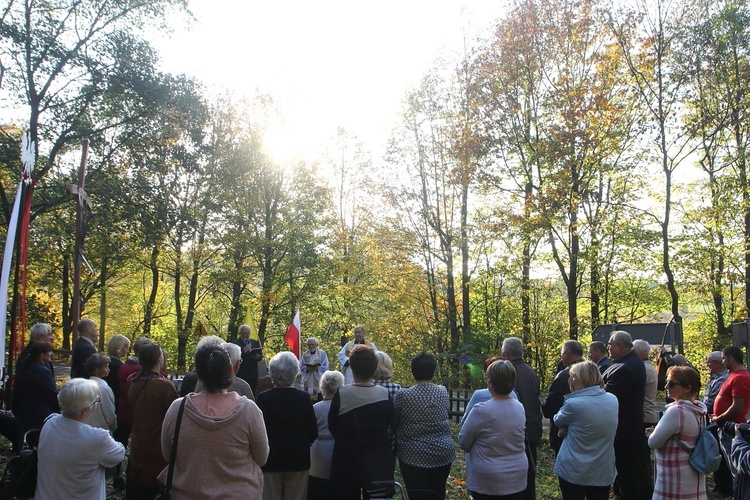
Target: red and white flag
(292, 336)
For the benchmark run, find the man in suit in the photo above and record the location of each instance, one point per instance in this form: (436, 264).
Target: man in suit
(85, 346)
(572, 353)
(598, 354)
(527, 388)
(41, 332)
(252, 353)
(626, 379)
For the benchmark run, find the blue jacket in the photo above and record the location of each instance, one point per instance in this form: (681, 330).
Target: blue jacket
(587, 455)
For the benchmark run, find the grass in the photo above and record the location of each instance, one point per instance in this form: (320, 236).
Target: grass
(546, 482)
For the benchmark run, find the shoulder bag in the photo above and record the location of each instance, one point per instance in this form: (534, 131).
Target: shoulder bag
(165, 492)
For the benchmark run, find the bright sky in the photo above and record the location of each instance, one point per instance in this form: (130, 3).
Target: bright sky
(329, 63)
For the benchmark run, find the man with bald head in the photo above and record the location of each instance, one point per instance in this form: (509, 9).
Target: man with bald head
(85, 346)
(626, 379)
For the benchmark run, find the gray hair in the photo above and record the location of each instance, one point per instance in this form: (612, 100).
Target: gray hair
(40, 329)
(117, 344)
(76, 395)
(622, 337)
(234, 351)
(244, 327)
(384, 371)
(573, 347)
(330, 381)
(312, 339)
(513, 348)
(283, 369)
(208, 340)
(714, 356)
(140, 342)
(641, 347)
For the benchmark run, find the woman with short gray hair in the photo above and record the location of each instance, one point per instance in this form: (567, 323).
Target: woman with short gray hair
(87, 450)
(291, 427)
(104, 416)
(321, 452)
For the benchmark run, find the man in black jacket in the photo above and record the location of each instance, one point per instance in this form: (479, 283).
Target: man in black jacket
(626, 379)
(572, 353)
(85, 346)
(527, 388)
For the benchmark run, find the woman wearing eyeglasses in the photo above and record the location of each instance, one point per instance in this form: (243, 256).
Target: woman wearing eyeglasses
(675, 477)
(73, 455)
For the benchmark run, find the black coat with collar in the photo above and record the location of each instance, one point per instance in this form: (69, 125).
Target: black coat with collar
(81, 352)
(626, 379)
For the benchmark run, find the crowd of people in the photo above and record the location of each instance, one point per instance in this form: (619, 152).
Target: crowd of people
(341, 434)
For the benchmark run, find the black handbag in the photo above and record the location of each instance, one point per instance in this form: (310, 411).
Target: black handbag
(165, 492)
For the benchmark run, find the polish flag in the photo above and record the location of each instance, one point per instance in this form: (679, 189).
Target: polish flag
(292, 336)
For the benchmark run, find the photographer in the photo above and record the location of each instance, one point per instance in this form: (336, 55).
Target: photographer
(740, 458)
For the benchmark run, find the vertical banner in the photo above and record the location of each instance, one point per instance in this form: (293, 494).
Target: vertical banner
(10, 241)
(250, 321)
(292, 336)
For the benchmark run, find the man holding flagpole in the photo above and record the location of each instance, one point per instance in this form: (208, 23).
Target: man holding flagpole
(252, 353)
(359, 339)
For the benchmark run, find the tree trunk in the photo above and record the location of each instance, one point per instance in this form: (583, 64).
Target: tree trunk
(103, 305)
(67, 330)
(148, 312)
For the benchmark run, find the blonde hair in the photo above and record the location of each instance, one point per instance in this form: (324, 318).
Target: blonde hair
(117, 344)
(384, 371)
(587, 373)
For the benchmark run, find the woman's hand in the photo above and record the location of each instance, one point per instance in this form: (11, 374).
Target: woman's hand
(649, 431)
(562, 432)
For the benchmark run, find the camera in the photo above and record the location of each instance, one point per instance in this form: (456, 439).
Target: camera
(744, 429)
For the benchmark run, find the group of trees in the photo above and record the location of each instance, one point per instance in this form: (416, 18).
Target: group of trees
(584, 165)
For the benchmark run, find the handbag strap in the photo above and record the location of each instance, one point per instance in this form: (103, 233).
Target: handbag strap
(682, 444)
(173, 454)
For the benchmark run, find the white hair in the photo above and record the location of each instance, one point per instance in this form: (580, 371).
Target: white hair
(40, 329)
(283, 369)
(208, 340)
(76, 395)
(234, 351)
(641, 347)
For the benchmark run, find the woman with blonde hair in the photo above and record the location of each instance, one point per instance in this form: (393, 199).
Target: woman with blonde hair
(585, 465)
(675, 477)
(384, 373)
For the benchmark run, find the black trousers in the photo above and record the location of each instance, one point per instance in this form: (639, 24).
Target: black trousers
(572, 491)
(425, 483)
(633, 480)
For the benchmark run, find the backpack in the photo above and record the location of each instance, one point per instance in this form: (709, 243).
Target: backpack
(19, 478)
(706, 456)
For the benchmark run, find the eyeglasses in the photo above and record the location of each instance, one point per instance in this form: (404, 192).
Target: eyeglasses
(671, 383)
(96, 401)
